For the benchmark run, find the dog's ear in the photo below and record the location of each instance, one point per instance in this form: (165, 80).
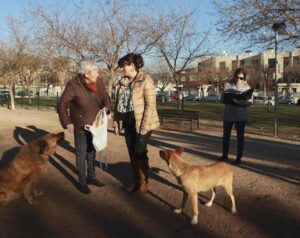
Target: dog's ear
(179, 150)
(26, 179)
(60, 136)
(2, 195)
(165, 154)
(43, 146)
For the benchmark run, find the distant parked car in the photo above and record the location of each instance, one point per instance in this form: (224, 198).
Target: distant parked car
(198, 99)
(286, 100)
(189, 98)
(263, 100)
(4, 92)
(174, 96)
(159, 98)
(212, 98)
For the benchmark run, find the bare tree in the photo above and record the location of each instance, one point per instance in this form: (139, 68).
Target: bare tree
(100, 31)
(251, 20)
(267, 74)
(7, 73)
(292, 72)
(26, 63)
(181, 44)
(162, 77)
(261, 77)
(28, 67)
(56, 71)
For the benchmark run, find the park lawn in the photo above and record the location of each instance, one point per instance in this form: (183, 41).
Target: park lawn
(289, 115)
(43, 102)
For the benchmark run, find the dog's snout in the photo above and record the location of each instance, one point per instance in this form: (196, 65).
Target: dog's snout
(162, 154)
(61, 135)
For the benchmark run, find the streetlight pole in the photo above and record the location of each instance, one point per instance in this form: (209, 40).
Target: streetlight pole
(276, 88)
(277, 27)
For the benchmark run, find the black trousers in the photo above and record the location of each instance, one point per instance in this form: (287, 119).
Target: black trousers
(136, 143)
(240, 129)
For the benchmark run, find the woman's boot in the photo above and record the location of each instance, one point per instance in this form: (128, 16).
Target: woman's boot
(135, 183)
(143, 177)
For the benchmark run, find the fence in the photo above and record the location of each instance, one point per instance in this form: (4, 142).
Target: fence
(23, 101)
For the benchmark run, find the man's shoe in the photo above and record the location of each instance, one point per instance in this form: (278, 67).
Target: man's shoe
(84, 189)
(95, 182)
(133, 188)
(237, 161)
(223, 158)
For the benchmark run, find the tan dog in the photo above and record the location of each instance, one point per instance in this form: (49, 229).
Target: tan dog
(196, 178)
(26, 168)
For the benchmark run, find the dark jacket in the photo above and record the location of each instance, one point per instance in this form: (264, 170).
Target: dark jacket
(236, 112)
(77, 104)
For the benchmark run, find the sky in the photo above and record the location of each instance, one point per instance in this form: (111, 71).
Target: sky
(206, 18)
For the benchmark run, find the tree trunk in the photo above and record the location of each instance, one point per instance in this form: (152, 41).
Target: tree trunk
(111, 79)
(12, 98)
(268, 95)
(265, 89)
(29, 93)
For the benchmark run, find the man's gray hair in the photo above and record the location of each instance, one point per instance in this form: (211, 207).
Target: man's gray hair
(87, 67)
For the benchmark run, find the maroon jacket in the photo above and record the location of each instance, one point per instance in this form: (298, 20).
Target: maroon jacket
(78, 106)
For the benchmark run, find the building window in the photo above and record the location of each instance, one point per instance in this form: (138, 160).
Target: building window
(296, 61)
(254, 63)
(234, 64)
(222, 65)
(242, 63)
(271, 63)
(286, 62)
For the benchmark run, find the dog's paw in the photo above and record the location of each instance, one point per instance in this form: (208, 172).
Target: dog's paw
(194, 221)
(233, 210)
(30, 200)
(208, 204)
(38, 193)
(177, 210)
(3, 203)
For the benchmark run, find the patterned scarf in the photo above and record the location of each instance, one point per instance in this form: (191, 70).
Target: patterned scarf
(91, 86)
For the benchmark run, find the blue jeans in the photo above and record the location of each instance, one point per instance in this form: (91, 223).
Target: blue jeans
(85, 151)
(240, 128)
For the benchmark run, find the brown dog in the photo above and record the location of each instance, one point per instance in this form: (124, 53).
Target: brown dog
(26, 168)
(196, 178)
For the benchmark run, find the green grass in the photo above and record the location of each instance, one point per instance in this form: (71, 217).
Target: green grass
(42, 102)
(289, 115)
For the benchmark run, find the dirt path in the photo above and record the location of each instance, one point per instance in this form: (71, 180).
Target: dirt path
(267, 188)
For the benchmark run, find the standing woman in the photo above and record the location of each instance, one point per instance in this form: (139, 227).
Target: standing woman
(136, 111)
(83, 97)
(235, 114)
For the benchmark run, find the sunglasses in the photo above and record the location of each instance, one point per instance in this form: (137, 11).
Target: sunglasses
(242, 78)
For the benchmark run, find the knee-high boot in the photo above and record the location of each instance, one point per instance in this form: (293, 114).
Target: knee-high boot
(135, 183)
(143, 167)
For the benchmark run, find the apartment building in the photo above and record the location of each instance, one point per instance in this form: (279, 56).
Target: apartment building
(260, 67)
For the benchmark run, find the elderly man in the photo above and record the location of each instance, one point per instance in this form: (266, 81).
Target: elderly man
(83, 97)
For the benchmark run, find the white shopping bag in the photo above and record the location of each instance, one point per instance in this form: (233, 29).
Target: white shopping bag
(99, 130)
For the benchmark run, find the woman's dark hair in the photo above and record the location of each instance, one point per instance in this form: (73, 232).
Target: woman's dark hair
(239, 71)
(131, 58)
